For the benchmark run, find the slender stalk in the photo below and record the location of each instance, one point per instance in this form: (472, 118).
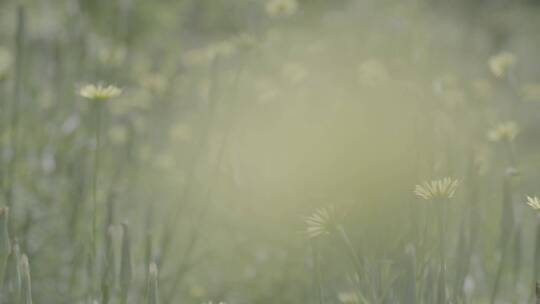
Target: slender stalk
(441, 289)
(317, 269)
(93, 246)
(17, 90)
(98, 111)
(350, 249)
(500, 269)
(207, 127)
(26, 288)
(537, 292)
(197, 227)
(5, 243)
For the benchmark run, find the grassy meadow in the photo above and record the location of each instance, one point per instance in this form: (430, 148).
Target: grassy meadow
(269, 151)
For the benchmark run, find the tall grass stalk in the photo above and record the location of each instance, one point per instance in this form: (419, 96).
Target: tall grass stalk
(26, 292)
(98, 109)
(500, 268)
(441, 285)
(153, 292)
(202, 141)
(13, 276)
(5, 244)
(207, 200)
(537, 292)
(16, 103)
(125, 265)
(315, 253)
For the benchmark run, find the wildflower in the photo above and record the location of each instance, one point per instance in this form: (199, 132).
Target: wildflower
(99, 92)
(5, 63)
(435, 189)
(533, 202)
(321, 222)
(281, 8)
(506, 131)
(501, 63)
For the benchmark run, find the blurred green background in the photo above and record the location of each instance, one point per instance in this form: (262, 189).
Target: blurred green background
(239, 118)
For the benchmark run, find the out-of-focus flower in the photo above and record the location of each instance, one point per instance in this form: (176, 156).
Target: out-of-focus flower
(506, 131)
(530, 91)
(5, 63)
(321, 222)
(281, 8)
(99, 92)
(348, 298)
(533, 202)
(501, 63)
(372, 73)
(437, 189)
(294, 73)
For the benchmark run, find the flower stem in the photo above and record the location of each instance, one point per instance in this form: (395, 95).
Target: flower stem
(98, 114)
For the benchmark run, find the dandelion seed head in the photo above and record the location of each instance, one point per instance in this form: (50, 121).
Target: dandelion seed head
(533, 202)
(321, 222)
(99, 92)
(437, 189)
